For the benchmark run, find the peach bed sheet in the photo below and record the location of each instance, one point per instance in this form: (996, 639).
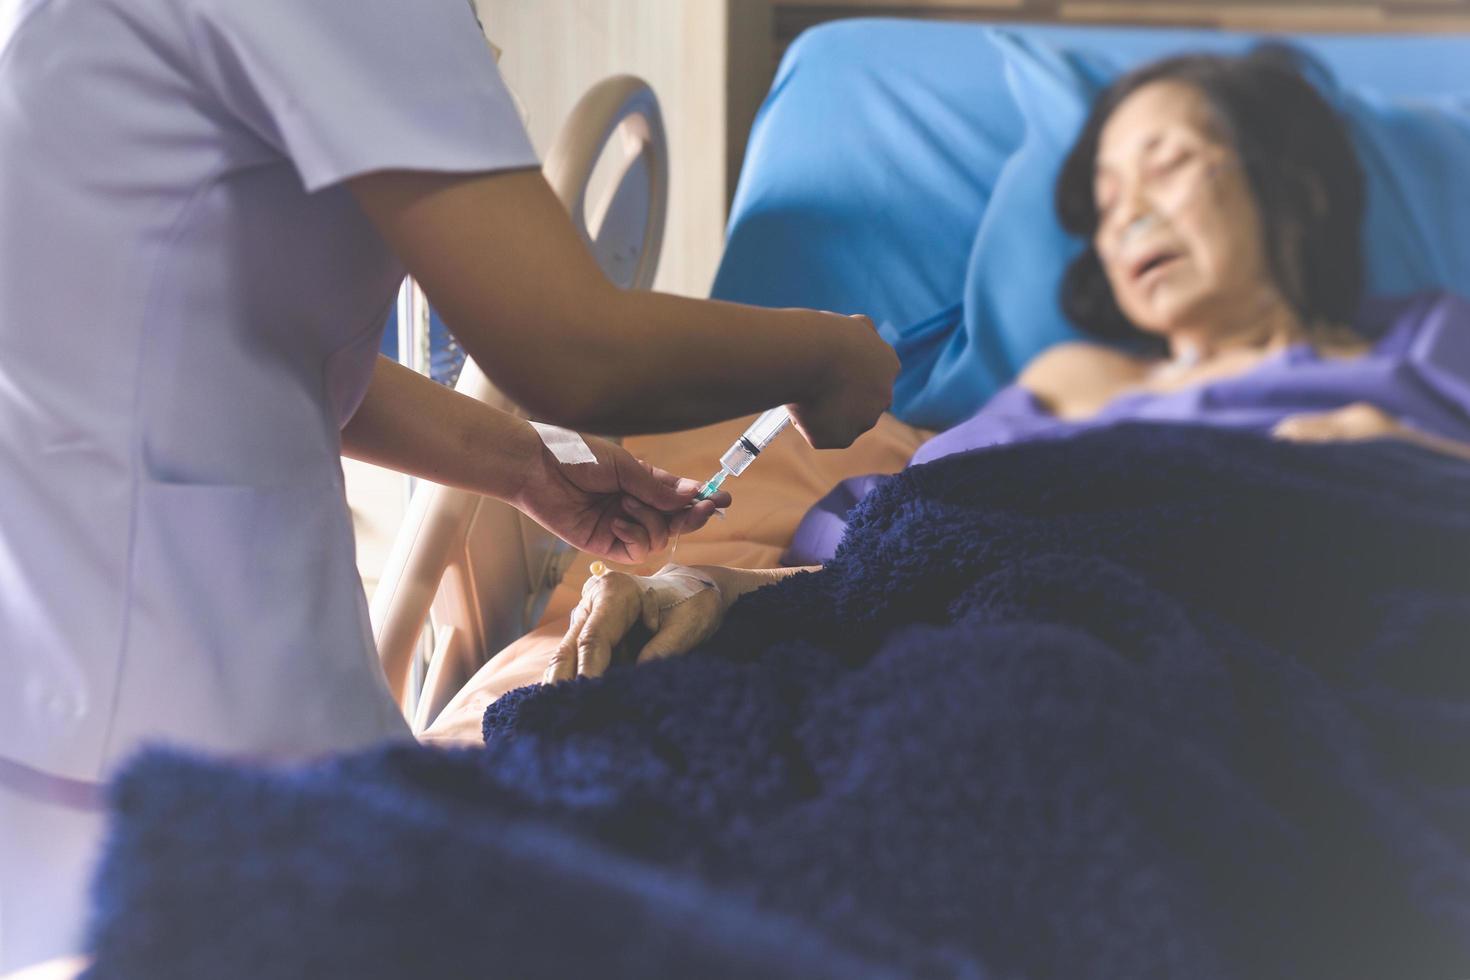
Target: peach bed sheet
(769, 501)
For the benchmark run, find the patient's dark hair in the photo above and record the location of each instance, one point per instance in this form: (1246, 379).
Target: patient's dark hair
(1298, 161)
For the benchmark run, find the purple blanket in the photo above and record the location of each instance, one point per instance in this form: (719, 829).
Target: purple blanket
(1418, 371)
(1152, 701)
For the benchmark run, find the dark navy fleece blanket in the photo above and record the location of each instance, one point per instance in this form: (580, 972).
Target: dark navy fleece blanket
(1154, 701)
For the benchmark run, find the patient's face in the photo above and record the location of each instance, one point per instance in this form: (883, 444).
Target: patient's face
(1178, 233)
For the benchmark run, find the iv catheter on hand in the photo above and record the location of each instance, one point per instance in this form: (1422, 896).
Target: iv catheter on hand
(746, 449)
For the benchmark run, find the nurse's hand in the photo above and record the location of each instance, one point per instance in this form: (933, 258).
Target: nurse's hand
(619, 507)
(858, 386)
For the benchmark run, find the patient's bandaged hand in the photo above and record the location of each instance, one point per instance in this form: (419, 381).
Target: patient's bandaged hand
(626, 618)
(668, 586)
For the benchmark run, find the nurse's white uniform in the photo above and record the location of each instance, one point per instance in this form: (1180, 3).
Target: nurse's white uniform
(190, 306)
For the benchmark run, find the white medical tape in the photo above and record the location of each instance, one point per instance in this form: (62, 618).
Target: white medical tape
(670, 585)
(565, 445)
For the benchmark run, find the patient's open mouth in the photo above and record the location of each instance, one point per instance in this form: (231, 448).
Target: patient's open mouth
(1151, 261)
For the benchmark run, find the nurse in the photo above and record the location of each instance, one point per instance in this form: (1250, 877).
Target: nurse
(205, 209)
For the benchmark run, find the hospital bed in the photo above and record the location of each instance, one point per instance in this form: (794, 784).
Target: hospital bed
(879, 148)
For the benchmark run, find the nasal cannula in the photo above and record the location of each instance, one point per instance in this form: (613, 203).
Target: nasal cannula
(747, 448)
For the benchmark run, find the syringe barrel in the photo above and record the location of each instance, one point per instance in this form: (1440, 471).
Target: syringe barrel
(755, 438)
(737, 458)
(768, 426)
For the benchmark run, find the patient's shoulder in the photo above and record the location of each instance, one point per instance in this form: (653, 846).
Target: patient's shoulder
(1078, 378)
(1079, 356)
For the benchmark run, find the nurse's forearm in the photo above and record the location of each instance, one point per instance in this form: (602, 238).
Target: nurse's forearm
(410, 423)
(660, 362)
(508, 272)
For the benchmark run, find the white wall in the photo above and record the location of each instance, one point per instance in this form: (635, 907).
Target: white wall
(554, 50)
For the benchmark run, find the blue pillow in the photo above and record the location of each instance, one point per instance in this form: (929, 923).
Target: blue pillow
(1415, 155)
(1010, 310)
(1416, 229)
(868, 170)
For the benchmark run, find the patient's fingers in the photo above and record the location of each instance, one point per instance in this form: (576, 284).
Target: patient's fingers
(612, 604)
(671, 642)
(652, 614)
(616, 607)
(683, 627)
(1359, 420)
(1307, 430)
(563, 666)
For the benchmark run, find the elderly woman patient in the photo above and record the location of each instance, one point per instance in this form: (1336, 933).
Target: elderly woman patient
(1223, 202)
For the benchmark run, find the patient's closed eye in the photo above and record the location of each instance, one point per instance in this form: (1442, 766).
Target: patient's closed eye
(1171, 164)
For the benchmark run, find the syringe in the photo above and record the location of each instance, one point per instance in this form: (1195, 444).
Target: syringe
(747, 448)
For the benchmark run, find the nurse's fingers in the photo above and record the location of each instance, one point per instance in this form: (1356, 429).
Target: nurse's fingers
(697, 516)
(685, 485)
(653, 522)
(633, 538)
(681, 485)
(658, 489)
